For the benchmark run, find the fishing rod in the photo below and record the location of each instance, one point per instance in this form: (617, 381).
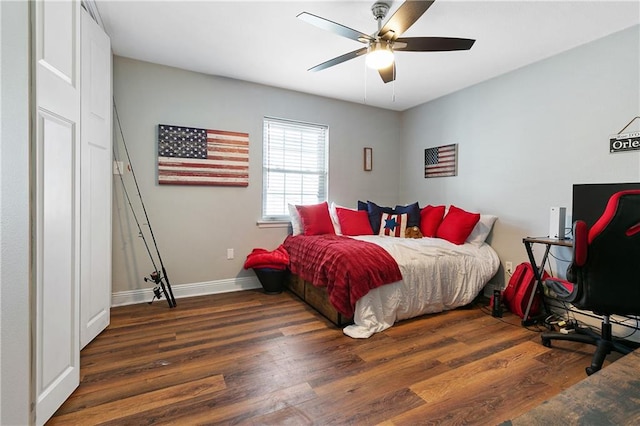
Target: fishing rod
(159, 278)
(154, 276)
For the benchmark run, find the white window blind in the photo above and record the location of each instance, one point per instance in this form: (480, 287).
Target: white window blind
(294, 166)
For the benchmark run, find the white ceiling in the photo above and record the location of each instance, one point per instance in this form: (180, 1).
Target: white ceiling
(264, 42)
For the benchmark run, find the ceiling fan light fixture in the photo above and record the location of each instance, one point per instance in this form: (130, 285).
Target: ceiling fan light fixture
(380, 56)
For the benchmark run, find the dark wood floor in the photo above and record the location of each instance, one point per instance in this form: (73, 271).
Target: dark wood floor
(251, 358)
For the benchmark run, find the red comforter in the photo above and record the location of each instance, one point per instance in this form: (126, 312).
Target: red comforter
(348, 268)
(260, 258)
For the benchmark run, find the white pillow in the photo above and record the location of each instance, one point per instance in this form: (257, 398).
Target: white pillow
(334, 218)
(482, 229)
(296, 222)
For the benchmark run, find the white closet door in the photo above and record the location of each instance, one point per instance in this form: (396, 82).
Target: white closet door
(95, 181)
(56, 200)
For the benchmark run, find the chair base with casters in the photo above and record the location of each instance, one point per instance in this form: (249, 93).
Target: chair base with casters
(604, 343)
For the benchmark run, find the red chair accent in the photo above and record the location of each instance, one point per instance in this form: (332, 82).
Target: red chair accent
(606, 273)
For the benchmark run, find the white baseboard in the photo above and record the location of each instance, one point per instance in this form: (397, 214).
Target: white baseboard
(131, 297)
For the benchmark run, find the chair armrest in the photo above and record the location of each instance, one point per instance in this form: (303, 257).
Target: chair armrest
(580, 242)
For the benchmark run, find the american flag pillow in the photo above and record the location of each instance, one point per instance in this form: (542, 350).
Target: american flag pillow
(393, 225)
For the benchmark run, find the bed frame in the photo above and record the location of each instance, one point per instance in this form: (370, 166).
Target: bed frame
(317, 298)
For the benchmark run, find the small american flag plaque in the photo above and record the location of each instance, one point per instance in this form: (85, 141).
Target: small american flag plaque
(193, 156)
(441, 161)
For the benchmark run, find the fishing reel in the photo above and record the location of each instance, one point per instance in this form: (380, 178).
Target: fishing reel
(157, 290)
(156, 294)
(154, 277)
(160, 288)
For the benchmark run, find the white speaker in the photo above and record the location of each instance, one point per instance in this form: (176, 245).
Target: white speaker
(557, 219)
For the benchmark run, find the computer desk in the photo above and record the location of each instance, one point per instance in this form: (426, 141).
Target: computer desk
(537, 269)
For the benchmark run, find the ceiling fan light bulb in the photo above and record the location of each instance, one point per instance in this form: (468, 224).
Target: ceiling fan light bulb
(379, 57)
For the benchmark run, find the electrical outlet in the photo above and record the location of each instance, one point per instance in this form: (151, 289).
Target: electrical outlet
(229, 254)
(509, 267)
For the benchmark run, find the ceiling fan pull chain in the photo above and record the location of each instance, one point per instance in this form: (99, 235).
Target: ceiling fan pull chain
(365, 84)
(393, 97)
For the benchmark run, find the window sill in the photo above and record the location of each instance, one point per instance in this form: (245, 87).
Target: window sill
(273, 224)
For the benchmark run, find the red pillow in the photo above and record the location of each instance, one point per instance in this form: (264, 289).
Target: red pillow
(430, 219)
(354, 222)
(315, 219)
(457, 225)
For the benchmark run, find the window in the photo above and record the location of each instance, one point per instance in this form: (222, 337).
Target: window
(294, 166)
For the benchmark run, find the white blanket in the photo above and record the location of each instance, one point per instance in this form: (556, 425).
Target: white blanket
(436, 276)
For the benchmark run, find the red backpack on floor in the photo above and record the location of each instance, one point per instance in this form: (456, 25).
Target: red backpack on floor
(521, 284)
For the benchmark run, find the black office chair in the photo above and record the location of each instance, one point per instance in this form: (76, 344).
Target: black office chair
(604, 276)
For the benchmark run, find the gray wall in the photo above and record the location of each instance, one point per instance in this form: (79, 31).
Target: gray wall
(526, 137)
(194, 226)
(15, 355)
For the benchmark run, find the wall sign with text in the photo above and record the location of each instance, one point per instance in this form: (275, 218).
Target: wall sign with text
(624, 142)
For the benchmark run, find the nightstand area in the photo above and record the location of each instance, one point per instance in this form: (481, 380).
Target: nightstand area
(538, 268)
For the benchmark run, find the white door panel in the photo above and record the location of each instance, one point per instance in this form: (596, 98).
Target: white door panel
(57, 38)
(57, 209)
(96, 178)
(56, 35)
(57, 350)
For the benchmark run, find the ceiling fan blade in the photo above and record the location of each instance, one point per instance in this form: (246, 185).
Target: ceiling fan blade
(406, 15)
(389, 73)
(334, 27)
(340, 59)
(432, 44)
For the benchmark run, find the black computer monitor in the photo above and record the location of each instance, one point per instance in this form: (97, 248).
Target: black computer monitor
(590, 199)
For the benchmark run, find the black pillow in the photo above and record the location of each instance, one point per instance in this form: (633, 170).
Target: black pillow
(413, 213)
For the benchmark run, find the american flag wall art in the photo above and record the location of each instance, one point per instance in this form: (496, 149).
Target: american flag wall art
(193, 156)
(441, 161)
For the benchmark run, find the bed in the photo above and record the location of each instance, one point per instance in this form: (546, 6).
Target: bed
(359, 269)
(436, 275)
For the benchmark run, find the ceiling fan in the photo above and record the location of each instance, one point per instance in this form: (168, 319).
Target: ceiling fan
(382, 44)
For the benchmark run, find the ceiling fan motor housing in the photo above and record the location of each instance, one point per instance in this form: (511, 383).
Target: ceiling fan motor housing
(380, 10)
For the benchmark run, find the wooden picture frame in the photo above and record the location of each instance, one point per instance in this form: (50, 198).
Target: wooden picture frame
(368, 159)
